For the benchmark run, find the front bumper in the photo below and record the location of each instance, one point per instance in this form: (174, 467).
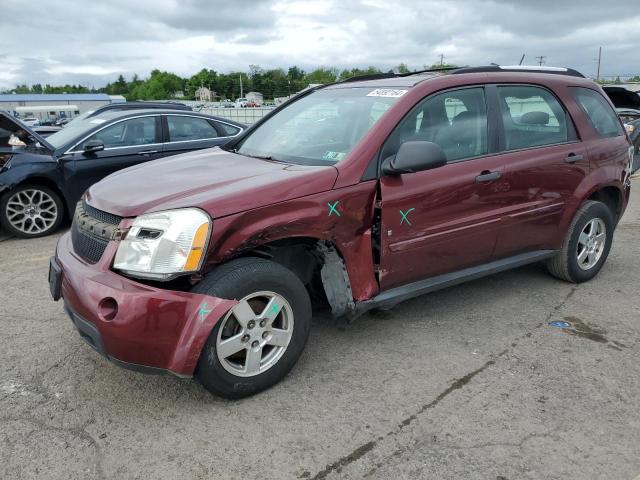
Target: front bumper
(135, 325)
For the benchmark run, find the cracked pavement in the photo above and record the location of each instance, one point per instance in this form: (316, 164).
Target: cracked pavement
(470, 382)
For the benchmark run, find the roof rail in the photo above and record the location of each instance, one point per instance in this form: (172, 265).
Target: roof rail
(429, 70)
(520, 68)
(377, 76)
(371, 76)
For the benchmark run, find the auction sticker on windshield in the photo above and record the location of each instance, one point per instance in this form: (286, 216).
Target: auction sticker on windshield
(387, 92)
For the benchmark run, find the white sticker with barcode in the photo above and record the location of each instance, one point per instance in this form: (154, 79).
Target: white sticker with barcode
(387, 92)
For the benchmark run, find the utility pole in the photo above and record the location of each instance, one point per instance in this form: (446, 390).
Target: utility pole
(441, 59)
(541, 59)
(241, 91)
(599, 60)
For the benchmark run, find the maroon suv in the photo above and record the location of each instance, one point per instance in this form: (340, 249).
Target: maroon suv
(355, 195)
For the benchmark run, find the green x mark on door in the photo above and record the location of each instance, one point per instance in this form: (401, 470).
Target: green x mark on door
(405, 216)
(333, 208)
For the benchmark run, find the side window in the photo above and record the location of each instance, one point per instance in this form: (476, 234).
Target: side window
(531, 117)
(228, 130)
(128, 133)
(189, 128)
(455, 120)
(599, 112)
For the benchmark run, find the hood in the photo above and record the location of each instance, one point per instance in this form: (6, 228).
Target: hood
(219, 182)
(13, 125)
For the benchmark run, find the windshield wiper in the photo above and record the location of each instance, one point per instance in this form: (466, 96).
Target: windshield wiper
(268, 158)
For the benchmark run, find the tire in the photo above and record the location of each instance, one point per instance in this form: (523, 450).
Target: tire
(264, 283)
(566, 265)
(45, 203)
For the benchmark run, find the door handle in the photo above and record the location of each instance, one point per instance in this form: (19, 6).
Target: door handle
(147, 152)
(487, 176)
(573, 158)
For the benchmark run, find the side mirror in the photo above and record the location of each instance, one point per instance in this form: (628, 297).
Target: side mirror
(414, 156)
(93, 146)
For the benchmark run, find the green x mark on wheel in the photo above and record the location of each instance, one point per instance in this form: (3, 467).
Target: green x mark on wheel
(405, 216)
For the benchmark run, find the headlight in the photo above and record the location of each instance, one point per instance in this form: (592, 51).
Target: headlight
(164, 245)
(629, 128)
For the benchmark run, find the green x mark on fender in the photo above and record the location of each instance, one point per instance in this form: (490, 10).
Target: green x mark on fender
(333, 208)
(405, 216)
(203, 311)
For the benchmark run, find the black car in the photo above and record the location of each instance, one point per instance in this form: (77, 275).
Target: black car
(627, 105)
(42, 179)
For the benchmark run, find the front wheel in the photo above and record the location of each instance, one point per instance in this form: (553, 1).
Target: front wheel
(260, 339)
(586, 245)
(31, 211)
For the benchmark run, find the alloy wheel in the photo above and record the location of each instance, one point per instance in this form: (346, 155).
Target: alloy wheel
(255, 334)
(31, 211)
(591, 243)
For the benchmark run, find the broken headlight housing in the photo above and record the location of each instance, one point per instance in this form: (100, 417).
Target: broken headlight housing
(164, 245)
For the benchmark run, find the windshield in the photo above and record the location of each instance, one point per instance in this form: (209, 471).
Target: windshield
(73, 129)
(320, 128)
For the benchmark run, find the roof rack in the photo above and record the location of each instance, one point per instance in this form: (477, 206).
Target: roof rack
(520, 68)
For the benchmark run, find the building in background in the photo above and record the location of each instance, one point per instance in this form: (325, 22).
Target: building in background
(203, 94)
(50, 107)
(255, 97)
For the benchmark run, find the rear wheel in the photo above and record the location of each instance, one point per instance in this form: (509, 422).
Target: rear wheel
(31, 211)
(586, 244)
(259, 340)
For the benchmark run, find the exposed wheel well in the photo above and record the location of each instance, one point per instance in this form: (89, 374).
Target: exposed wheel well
(319, 266)
(611, 197)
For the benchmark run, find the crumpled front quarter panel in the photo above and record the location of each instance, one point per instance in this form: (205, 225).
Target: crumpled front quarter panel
(343, 216)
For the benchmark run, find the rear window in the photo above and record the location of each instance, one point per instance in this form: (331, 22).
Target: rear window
(599, 112)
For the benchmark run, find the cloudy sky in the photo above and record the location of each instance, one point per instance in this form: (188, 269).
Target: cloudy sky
(91, 42)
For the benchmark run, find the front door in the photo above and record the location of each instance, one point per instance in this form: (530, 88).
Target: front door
(126, 143)
(444, 219)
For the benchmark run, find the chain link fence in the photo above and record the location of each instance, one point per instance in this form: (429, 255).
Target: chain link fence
(243, 115)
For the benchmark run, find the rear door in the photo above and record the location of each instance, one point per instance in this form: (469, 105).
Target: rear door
(444, 219)
(545, 162)
(184, 133)
(126, 142)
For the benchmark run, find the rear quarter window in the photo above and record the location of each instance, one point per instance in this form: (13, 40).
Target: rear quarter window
(598, 111)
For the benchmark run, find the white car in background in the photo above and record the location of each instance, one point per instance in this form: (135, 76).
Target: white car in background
(30, 121)
(241, 102)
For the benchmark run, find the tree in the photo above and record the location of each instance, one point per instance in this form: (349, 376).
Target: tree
(204, 78)
(322, 75)
(438, 66)
(357, 72)
(401, 68)
(159, 86)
